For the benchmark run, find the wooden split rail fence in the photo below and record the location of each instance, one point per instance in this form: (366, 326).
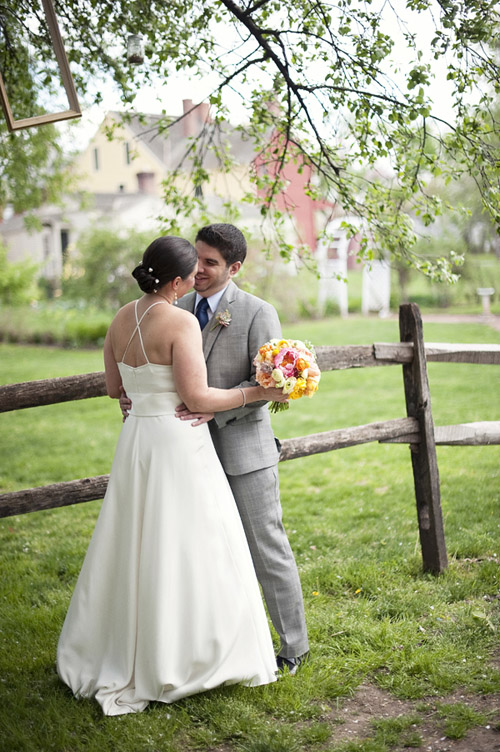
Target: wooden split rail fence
(416, 429)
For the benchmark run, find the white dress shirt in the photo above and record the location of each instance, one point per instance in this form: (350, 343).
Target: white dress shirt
(213, 302)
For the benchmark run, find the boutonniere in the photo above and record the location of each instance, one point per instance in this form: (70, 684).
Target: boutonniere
(222, 318)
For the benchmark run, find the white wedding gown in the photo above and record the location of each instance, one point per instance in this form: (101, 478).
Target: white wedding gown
(167, 603)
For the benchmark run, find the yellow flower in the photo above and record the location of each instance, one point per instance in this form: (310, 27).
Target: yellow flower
(315, 592)
(311, 387)
(299, 388)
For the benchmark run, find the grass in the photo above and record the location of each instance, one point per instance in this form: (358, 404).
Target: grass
(373, 616)
(459, 718)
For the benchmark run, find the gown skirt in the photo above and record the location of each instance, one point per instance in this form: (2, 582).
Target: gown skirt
(167, 602)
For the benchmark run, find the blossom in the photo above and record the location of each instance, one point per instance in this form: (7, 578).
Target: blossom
(299, 388)
(278, 377)
(302, 364)
(311, 387)
(289, 385)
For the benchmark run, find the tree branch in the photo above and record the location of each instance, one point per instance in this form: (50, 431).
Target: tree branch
(256, 32)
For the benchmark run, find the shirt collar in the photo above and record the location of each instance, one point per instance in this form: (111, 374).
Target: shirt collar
(213, 300)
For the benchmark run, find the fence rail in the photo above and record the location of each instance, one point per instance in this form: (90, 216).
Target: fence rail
(416, 429)
(330, 358)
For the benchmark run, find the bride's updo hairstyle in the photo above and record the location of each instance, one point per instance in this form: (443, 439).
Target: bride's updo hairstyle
(165, 259)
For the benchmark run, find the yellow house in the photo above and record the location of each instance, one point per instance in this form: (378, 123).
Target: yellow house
(118, 183)
(140, 155)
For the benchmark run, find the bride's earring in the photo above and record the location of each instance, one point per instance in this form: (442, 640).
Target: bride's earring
(175, 298)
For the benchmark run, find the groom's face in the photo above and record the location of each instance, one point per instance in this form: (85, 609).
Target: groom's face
(213, 272)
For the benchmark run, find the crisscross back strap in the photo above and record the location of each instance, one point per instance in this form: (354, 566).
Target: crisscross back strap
(138, 329)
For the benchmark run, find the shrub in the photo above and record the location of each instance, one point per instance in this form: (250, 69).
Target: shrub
(99, 271)
(17, 281)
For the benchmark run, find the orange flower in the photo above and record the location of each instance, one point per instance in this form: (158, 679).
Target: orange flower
(266, 380)
(301, 364)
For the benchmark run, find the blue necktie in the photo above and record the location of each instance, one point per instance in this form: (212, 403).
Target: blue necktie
(202, 312)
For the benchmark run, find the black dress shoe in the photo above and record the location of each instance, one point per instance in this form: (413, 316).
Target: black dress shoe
(290, 665)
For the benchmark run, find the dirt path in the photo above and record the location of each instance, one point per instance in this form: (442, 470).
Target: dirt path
(354, 720)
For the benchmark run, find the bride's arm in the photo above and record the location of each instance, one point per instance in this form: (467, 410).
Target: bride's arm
(111, 371)
(190, 376)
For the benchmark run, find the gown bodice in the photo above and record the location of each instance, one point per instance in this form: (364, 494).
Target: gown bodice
(151, 389)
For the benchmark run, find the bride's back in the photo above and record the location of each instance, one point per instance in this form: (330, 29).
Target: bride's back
(150, 340)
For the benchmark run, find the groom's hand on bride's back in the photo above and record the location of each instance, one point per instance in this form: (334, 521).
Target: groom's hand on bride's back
(125, 403)
(183, 412)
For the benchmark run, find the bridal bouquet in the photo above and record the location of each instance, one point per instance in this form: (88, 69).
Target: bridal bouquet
(290, 366)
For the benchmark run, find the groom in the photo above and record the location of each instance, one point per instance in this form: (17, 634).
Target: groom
(235, 324)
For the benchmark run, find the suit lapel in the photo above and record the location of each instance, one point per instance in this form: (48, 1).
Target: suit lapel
(187, 302)
(213, 328)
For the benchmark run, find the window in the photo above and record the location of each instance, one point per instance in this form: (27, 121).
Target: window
(333, 249)
(64, 245)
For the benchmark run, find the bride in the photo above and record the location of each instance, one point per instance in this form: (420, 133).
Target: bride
(167, 603)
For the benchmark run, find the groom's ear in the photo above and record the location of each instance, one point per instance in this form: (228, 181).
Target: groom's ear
(234, 268)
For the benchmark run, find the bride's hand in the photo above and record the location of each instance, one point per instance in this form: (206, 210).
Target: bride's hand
(125, 403)
(275, 395)
(198, 419)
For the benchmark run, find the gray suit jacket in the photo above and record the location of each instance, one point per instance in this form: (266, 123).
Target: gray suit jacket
(243, 437)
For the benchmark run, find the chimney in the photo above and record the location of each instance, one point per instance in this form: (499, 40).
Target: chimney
(203, 113)
(146, 182)
(193, 122)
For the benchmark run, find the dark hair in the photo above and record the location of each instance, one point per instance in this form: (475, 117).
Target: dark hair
(165, 259)
(227, 239)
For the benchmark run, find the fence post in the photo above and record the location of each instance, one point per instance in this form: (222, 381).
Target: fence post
(423, 454)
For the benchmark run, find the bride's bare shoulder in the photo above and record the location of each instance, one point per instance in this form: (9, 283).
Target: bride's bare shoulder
(183, 318)
(123, 313)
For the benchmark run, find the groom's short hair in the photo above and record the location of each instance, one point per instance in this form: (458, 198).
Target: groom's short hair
(227, 239)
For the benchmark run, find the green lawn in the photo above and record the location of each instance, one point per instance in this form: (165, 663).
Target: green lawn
(373, 616)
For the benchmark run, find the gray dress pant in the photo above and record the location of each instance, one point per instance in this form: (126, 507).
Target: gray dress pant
(258, 500)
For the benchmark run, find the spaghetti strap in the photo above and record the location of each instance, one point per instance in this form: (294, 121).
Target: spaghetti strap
(138, 329)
